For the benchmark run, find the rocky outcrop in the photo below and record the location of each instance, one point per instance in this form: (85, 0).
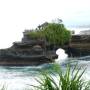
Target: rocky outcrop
(79, 45)
(27, 52)
(38, 51)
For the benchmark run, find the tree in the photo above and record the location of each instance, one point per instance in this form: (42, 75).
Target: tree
(56, 33)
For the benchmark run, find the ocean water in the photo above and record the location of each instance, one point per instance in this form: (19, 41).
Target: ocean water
(19, 78)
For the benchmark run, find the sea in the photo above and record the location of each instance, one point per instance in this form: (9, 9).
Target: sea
(22, 77)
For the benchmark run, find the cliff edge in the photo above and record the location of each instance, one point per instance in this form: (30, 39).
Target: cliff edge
(27, 52)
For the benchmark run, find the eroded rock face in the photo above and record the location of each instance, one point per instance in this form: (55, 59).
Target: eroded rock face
(34, 56)
(37, 51)
(79, 45)
(29, 52)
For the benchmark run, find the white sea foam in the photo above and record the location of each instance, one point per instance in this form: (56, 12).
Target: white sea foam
(62, 56)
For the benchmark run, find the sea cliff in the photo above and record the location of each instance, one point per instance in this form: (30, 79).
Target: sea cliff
(38, 51)
(27, 52)
(80, 45)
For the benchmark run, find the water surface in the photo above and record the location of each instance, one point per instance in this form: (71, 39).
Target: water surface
(18, 78)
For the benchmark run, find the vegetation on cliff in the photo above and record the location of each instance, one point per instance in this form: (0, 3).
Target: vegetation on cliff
(54, 33)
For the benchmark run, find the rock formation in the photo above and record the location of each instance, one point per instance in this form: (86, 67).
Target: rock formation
(79, 45)
(27, 52)
(38, 51)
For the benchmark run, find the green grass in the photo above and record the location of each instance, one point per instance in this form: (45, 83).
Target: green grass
(71, 79)
(3, 87)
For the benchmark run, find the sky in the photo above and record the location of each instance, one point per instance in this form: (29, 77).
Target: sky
(18, 15)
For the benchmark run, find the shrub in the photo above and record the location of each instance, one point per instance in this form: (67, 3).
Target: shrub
(57, 34)
(54, 33)
(69, 80)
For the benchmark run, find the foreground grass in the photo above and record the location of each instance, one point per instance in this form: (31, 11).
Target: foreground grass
(71, 79)
(3, 87)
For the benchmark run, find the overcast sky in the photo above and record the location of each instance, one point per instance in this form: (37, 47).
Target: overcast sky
(18, 15)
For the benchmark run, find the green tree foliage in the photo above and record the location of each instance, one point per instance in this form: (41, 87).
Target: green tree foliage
(36, 34)
(54, 33)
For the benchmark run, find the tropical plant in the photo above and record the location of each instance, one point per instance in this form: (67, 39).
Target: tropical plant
(69, 80)
(35, 34)
(54, 33)
(3, 87)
